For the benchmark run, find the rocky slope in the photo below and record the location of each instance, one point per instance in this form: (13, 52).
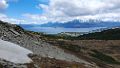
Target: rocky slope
(33, 42)
(104, 53)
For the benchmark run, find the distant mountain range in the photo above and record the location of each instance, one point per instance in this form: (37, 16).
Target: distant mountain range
(82, 24)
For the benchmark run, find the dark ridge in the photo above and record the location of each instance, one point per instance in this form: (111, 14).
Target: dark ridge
(110, 34)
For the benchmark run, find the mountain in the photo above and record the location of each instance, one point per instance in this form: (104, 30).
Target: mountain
(20, 48)
(44, 54)
(83, 24)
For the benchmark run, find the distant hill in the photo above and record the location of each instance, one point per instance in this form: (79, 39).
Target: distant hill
(110, 34)
(82, 24)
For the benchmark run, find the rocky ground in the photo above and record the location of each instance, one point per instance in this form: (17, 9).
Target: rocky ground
(41, 49)
(105, 53)
(60, 53)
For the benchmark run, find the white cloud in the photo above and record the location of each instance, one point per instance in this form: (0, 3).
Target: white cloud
(65, 10)
(5, 18)
(3, 4)
(12, 0)
(83, 7)
(103, 17)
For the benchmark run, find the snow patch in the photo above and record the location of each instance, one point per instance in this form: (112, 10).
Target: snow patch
(14, 53)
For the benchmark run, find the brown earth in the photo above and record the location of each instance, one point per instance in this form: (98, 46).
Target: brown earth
(107, 47)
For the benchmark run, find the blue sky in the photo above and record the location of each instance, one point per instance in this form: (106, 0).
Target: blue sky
(16, 9)
(43, 11)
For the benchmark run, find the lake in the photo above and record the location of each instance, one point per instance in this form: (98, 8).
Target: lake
(52, 30)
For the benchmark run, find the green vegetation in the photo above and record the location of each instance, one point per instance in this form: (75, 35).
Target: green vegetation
(103, 57)
(110, 34)
(1, 66)
(35, 33)
(55, 36)
(50, 36)
(73, 48)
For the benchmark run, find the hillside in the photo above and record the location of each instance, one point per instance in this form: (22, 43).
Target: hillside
(104, 53)
(60, 52)
(110, 34)
(104, 34)
(40, 48)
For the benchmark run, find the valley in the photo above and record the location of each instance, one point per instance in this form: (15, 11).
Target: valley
(59, 33)
(57, 51)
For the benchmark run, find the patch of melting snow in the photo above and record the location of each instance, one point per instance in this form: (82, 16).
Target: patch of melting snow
(14, 53)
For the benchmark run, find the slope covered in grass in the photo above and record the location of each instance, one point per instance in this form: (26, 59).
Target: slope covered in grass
(110, 34)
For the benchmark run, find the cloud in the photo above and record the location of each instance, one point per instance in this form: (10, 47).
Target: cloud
(12, 0)
(5, 18)
(83, 7)
(3, 4)
(66, 10)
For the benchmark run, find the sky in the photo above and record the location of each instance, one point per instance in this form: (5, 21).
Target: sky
(43, 11)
